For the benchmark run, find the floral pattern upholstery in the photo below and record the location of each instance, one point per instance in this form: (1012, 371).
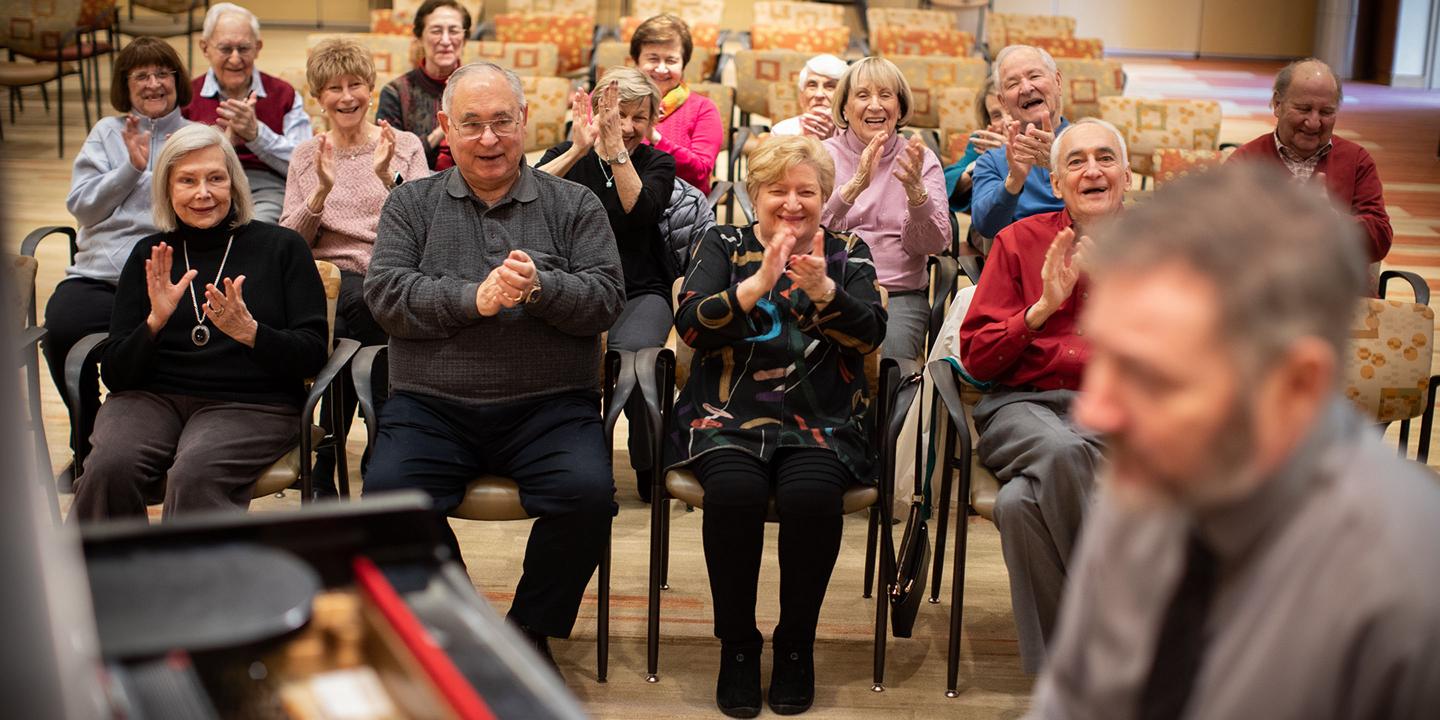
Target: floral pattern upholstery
(1065, 47)
(1153, 124)
(1084, 82)
(548, 99)
(524, 58)
(784, 102)
(757, 70)
(799, 15)
(957, 121)
(897, 31)
(572, 34)
(400, 18)
(1171, 164)
(556, 7)
(1388, 366)
(694, 12)
(831, 40)
(928, 76)
(613, 53)
(39, 28)
(704, 36)
(1000, 27)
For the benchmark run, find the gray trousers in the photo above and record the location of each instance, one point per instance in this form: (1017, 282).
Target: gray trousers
(267, 190)
(208, 453)
(909, 318)
(645, 322)
(1046, 468)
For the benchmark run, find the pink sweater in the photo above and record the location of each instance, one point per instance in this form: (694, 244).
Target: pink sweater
(693, 134)
(344, 231)
(900, 237)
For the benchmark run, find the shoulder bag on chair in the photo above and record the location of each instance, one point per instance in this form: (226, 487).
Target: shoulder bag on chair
(908, 586)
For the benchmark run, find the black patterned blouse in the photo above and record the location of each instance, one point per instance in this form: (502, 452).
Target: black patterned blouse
(783, 374)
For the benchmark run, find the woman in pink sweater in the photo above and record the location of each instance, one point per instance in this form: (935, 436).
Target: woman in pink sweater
(690, 127)
(337, 183)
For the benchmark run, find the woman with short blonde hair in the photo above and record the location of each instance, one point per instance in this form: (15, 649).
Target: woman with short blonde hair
(781, 315)
(218, 321)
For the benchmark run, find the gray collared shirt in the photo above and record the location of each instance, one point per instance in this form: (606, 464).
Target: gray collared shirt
(437, 242)
(1328, 603)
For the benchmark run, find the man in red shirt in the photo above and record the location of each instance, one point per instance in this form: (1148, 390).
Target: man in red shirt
(1306, 101)
(1020, 335)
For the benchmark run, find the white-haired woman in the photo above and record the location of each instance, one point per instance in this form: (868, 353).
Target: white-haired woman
(817, 83)
(218, 320)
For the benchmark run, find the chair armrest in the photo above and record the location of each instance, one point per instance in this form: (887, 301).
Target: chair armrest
(362, 369)
(83, 355)
(718, 191)
(619, 386)
(971, 265)
(655, 374)
(32, 241)
(1417, 284)
(944, 279)
(30, 337)
(737, 146)
(947, 388)
(345, 349)
(742, 196)
(931, 136)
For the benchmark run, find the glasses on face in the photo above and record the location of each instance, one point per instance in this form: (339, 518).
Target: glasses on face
(503, 127)
(145, 78)
(244, 50)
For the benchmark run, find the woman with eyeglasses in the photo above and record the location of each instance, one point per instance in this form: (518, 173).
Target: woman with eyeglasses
(110, 196)
(409, 102)
(338, 182)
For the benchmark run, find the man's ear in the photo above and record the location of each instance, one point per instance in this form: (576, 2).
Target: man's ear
(443, 120)
(259, 45)
(1304, 380)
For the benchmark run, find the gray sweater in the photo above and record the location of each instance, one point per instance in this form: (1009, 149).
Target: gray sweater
(437, 242)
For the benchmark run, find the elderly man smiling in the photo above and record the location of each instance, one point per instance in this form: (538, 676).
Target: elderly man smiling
(1020, 335)
(494, 281)
(262, 115)
(1306, 101)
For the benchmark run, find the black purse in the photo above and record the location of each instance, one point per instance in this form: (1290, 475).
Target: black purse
(908, 587)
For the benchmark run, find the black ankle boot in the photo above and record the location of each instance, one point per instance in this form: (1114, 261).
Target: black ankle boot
(792, 679)
(737, 689)
(541, 643)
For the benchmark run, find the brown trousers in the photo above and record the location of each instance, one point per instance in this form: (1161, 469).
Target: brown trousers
(206, 453)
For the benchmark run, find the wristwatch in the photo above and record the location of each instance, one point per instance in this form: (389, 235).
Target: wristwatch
(829, 294)
(534, 293)
(621, 158)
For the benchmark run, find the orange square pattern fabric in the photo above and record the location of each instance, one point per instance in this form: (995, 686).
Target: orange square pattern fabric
(694, 12)
(542, 59)
(894, 40)
(1065, 47)
(784, 102)
(929, 76)
(1153, 124)
(999, 28)
(757, 70)
(831, 40)
(549, 100)
(799, 15)
(1171, 164)
(1084, 82)
(573, 35)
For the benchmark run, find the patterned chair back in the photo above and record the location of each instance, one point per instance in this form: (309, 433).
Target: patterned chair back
(559, 7)
(929, 76)
(526, 59)
(392, 54)
(330, 278)
(613, 53)
(21, 291)
(1388, 366)
(724, 98)
(704, 36)
(572, 33)
(1065, 47)
(1084, 82)
(799, 15)
(808, 27)
(39, 28)
(694, 12)
(400, 18)
(1171, 164)
(757, 70)
(897, 31)
(957, 121)
(548, 99)
(1153, 124)
(1000, 27)
(784, 102)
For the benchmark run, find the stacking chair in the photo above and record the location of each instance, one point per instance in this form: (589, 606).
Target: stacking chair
(757, 73)
(399, 19)
(1388, 369)
(25, 31)
(929, 76)
(897, 31)
(1069, 47)
(703, 17)
(496, 498)
(567, 24)
(85, 52)
(173, 19)
(1153, 124)
(22, 322)
(1003, 29)
(808, 27)
(28, 248)
(548, 99)
(1085, 82)
(956, 113)
(614, 53)
(294, 465)
(1171, 164)
(526, 59)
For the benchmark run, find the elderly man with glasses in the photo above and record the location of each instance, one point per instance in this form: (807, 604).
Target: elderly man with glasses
(495, 282)
(262, 115)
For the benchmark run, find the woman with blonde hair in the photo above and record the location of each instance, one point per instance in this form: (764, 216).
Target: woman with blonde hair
(218, 320)
(781, 315)
(337, 184)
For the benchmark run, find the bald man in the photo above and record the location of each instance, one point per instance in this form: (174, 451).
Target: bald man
(1306, 101)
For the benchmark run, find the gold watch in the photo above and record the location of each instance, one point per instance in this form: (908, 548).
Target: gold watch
(533, 293)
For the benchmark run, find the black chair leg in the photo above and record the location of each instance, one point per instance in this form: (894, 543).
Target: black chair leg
(871, 538)
(658, 529)
(59, 110)
(957, 581)
(665, 544)
(942, 524)
(602, 622)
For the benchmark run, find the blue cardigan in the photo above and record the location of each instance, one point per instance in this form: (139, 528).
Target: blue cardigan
(992, 209)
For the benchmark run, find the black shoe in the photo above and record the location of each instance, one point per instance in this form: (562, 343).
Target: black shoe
(792, 680)
(541, 643)
(644, 481)
(737, 689)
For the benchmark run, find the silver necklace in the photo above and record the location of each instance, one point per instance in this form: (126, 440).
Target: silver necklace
(200, 335)
(609, 178)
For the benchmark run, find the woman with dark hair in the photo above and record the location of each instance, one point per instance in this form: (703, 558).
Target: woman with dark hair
(690, 127)
(110, 196)
(409, 102)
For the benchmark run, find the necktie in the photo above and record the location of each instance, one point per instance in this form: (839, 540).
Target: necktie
(1182, 638)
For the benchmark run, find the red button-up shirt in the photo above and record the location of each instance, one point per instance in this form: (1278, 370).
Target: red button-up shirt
(995, 344)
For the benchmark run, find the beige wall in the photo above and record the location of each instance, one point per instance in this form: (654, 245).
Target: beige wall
(1269, 28)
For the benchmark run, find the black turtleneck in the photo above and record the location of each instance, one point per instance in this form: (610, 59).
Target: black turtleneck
(282, 291)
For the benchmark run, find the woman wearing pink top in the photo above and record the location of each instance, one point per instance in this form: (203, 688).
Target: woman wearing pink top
(690, 126)
(890, 192)
(337, 183)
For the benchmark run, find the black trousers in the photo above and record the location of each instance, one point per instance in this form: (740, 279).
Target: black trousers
(78, 307)
(809, 486)
(352, 320)
(554, 448)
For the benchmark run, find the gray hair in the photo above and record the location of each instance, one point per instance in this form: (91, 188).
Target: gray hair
(825, 65)
(448, 97)
(213, 15)
(1119, 140)
(1283, 265)
(632, 85)
(184, 141)
(1287, 76)
(1011, 50)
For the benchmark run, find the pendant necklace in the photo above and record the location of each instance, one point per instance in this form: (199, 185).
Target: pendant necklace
(200, 335)
(609, 178)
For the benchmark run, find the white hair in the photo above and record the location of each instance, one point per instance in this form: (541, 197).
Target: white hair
(1011, 50)
(513, 80)
(1055, 158)
(213, 15)
(188, 139)
(825, 65)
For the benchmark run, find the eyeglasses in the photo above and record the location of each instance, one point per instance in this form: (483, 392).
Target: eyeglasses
(503, 127)
(244, 50)
(144, 78)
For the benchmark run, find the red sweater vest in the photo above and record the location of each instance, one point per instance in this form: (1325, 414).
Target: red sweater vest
(271, 109)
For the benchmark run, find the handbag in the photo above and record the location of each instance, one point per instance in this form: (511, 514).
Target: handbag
(908, 587)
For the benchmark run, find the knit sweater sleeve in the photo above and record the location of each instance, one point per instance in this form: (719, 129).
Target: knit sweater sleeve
(926, 229)
(296, 348)
(992, 207)
(587, 297)
(300, 183)
(127, 355)
(1368, 208)
(696, 160)
(98, 183)
(409, 158)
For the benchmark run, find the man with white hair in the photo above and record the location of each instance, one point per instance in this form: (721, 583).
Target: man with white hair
(1020, 337)
(261, 114)
(816, 83)
(1012, 181)
(494, 281)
